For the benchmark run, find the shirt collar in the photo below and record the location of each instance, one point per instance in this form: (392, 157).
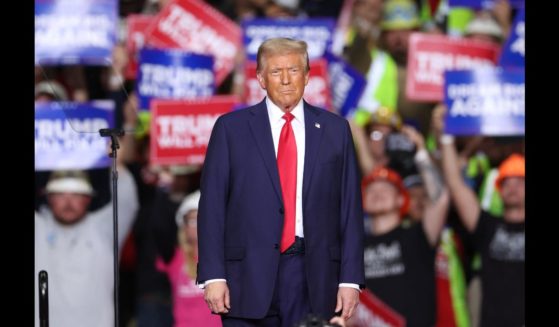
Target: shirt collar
(276, 114)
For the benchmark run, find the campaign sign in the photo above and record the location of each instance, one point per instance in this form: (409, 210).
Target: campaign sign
(487, 102)
(317, 91)
(372, 312)
(69, 32)
(137, 26)
(173, 74)
(197, 27)
(181, 129)
(513, 52)
(346, 85)
(67, 134)
(482, 4)
(431, 55)
(317, 32)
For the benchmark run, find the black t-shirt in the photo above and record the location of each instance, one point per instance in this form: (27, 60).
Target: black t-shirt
(400, 270)
(501, 245)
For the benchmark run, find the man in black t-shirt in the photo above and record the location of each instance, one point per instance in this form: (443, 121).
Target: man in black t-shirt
(399, 257)
(500, 241)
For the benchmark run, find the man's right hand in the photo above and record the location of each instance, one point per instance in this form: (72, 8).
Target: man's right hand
(216, 295)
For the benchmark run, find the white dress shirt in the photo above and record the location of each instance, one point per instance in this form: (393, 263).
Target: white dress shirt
(275, 115)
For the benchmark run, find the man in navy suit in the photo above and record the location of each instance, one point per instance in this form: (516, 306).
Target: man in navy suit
(280, 220)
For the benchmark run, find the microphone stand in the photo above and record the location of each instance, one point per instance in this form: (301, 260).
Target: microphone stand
(43, 299)
(114, 133)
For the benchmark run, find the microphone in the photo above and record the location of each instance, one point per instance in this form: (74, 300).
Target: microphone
(43, 299)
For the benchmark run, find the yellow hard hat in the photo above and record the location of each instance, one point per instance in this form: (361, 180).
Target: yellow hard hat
(400, 15)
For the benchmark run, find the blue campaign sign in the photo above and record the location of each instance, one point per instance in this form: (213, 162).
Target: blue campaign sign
(346, 85)
(513, 54)
(173, 74)
(317, 32)
(67, 134)
(69, 32)
(483, 4)
(485, 102)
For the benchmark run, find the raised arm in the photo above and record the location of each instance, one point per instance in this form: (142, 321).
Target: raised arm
(437, 207)
(361, 140)
(464, 197)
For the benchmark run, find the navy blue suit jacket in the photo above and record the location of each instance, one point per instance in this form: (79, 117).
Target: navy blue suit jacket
(240, 215)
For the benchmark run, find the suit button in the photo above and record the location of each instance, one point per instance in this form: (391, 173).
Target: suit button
(281, 210)
(276, 246)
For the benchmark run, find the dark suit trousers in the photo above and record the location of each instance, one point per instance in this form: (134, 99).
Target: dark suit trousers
(290, 304)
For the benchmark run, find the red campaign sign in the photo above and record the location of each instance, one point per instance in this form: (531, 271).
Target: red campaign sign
(181, 129)
(372, 312)
(137, 26)
(197, 27)
(317, 91)
(431, 55)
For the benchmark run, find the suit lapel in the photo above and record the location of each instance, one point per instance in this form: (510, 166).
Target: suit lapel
(313, 135)
(262, 133)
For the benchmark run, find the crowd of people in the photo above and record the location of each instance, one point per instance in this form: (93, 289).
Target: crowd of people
(443, 215)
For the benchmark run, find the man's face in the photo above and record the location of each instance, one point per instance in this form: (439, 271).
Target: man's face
(284, 78)
(396, 43)
(68, 208)
(485, 38)
(381, 197)
(43, 97)
(513, 192)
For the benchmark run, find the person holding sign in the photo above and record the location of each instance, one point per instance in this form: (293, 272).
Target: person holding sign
(74, 246)
(399, 253)
(500, 241)
(280, 224)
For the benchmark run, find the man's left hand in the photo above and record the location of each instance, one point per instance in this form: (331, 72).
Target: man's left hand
(347, 301)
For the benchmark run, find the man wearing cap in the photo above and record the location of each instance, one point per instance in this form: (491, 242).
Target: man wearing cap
(50, 90)
(75, 248)
(280, 226)
(499, 240)
(485, 28)
(400, 20)
(400, 257)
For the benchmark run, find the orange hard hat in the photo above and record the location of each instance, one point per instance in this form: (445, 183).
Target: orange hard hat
(513, 166)
(389, 175)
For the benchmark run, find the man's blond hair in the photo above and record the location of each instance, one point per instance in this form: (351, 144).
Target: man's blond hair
(281, 46)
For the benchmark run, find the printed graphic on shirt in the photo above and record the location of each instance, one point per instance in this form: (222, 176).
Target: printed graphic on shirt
(384, 260)
(507, 245)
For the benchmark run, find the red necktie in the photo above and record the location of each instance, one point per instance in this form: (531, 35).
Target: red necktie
(287, 167)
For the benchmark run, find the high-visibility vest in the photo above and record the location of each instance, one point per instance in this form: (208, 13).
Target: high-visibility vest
(489, 198)
(381, 88)
(452, 305)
